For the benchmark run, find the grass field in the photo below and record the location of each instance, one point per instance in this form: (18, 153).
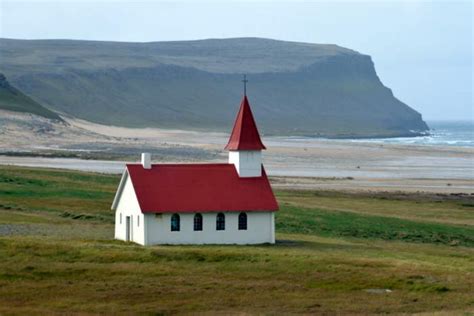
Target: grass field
(335, 253)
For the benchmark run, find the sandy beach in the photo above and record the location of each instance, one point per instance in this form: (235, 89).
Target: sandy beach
(292, 163)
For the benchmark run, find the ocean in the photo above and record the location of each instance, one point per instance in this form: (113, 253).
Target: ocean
(442, 133)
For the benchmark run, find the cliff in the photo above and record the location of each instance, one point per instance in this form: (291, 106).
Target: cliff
(294, 88)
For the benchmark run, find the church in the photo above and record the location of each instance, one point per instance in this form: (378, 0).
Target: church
(219, 203)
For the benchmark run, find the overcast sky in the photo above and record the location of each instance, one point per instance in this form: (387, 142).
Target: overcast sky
(422, 49)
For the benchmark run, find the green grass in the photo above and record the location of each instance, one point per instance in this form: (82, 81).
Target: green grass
(56, 191)
(59, 256)
(436, 208)
(293, 219)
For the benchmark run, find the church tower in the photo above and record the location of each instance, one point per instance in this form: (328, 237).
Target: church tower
(245, 146)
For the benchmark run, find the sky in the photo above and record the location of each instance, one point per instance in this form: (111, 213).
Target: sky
(422, 50)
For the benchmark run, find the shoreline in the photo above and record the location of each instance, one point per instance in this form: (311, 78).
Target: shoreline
(371, 166)
(349, 137)
(288, 181)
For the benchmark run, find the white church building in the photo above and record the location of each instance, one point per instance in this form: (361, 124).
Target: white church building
(224, 203)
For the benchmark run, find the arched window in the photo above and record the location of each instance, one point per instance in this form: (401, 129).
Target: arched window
(242, 221)
(175, 223)
(220, 222)
(197, 222)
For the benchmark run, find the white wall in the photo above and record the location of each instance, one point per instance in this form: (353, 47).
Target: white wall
(128, 206)
(247, 162)
(150, 228)
(260, 229)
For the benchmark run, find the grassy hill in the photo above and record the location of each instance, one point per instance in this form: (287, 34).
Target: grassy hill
(294, 88)
(336, 253)
(14, 100)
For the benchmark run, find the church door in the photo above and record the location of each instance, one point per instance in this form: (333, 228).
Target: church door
(127, 228)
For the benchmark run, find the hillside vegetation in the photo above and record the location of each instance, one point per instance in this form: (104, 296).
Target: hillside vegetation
(331, 256)
(12, 99)
(294, 88)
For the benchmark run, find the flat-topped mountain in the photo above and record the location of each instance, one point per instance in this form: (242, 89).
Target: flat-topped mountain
(294, 88)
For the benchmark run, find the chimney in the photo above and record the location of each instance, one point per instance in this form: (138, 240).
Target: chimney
(146, 160)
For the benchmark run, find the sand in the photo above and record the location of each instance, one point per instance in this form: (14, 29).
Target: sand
(295, 163)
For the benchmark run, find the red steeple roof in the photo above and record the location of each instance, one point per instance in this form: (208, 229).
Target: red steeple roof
(245, 134)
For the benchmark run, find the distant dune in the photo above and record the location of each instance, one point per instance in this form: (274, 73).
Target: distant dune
(294, 88)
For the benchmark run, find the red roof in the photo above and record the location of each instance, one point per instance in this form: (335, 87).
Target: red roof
(167, 188)
(245, 134)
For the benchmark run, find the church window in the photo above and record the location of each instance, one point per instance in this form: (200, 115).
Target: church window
(175, 223)
(120, 218)
(242, 221)
(220, 222)
(138, 220)
(198, 222)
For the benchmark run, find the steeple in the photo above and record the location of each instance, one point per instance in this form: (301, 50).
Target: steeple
(245, 146)
(245, 134)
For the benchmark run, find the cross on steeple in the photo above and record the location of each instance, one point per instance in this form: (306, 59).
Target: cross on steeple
(245, 84)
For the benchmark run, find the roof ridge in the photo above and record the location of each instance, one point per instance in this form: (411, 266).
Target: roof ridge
(182, 164)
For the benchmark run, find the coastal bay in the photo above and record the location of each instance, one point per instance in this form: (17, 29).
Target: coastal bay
(310, 163)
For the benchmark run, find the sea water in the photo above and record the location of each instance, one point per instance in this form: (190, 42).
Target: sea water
(442, 133)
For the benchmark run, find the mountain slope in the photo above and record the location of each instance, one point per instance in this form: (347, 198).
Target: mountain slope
(294, 88)
(14, 100)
